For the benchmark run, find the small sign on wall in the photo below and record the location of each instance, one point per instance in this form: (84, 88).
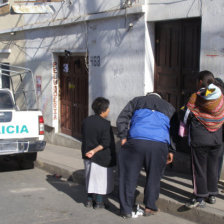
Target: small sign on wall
(55, 90)
(38, 85)
(95, 61)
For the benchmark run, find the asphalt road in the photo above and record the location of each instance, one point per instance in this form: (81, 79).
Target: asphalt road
(36, 197)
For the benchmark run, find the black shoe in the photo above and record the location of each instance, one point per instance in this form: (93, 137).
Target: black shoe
(211, 199)
(89, 204)
(99, 205)
(193, 203)
(126, 216)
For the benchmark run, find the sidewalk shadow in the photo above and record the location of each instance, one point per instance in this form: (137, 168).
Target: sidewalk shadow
(175, 193)
(76, 190)
(177, 187)
(221, 191)
(168, 188)
(73, 190)
(11, 164)
(8, 165)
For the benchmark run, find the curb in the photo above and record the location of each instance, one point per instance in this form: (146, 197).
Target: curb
(76, 177)
(198, 215)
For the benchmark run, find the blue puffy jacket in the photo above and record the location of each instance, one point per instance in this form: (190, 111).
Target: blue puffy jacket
(146, 117)
(150, 125)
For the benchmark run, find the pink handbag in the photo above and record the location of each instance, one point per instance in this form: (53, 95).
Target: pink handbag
(183, 130)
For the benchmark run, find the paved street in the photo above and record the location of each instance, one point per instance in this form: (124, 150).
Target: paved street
(36, 197)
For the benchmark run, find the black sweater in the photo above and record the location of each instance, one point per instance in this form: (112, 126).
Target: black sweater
(97, 131)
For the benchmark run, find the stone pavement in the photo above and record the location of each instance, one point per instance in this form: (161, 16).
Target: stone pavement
(176, 188)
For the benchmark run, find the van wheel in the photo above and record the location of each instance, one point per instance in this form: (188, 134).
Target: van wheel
(26, 161)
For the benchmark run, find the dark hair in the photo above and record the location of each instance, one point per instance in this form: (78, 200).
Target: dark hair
(206, 77)
(100, 105)
(220, 84)
(159, 94)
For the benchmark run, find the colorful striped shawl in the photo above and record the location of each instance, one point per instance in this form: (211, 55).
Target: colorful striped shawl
(209, 112)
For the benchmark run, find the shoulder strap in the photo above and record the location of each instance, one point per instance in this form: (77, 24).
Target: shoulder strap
(186, 116)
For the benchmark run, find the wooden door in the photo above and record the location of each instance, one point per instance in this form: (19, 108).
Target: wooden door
(177, 63)
(190, 57)
(168, 63)
(177, 59)
(73, 94)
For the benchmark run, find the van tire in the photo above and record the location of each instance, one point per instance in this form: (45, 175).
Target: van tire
(26, 161)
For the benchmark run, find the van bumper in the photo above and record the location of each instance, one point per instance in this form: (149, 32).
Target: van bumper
(37, 146)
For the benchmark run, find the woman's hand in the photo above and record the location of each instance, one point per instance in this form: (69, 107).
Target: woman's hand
(90, 154)
(169, 158)
(123, 141)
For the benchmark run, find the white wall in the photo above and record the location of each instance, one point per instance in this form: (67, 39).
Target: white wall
(126, 55)
(212, 28)
(75, 9)
(149, 57)
(172, 9)
(120, 75)
(212, 37)
(41, 47)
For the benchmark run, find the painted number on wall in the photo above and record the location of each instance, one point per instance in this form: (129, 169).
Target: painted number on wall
(95, 61)
(38, 85)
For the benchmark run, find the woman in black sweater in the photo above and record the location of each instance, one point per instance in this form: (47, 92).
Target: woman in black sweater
(98, 152)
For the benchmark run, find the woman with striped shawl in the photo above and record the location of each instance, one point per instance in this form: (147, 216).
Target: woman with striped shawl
(205, 110)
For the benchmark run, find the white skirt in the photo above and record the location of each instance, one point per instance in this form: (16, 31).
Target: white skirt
(99, 179)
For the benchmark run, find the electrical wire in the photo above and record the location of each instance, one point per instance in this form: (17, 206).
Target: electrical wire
(123, 6)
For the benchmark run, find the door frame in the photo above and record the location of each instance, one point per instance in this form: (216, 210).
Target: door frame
(72, 54)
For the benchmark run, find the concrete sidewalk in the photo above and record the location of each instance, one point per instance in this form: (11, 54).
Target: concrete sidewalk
(176, 188)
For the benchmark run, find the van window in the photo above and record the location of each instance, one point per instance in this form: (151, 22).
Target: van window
(6, 101)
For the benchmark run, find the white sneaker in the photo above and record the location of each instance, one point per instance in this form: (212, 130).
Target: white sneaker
(193, 203)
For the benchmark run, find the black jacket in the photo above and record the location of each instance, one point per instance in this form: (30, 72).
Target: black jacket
(97, 131)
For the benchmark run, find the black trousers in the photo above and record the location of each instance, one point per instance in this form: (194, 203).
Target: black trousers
(134, 155)
(205, 162)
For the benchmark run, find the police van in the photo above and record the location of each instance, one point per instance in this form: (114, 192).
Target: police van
(21, 123)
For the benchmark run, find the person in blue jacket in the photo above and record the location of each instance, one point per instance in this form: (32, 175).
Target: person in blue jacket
(144, 129)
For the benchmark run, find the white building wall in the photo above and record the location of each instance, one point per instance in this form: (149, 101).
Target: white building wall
(149, 57)
(120, 75)
(158, 10)
(126, 55)
(212, 37)
(77, 10)
(212, 28)
(43, 46)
